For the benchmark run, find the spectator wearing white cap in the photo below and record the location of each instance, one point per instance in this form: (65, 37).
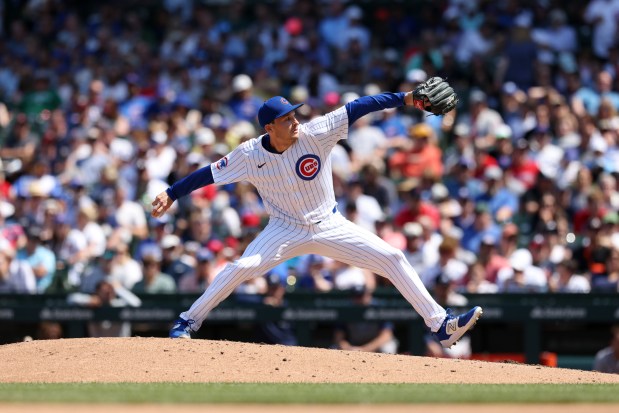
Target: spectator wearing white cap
(522, 276)
(503, 145)
(204, 141)
(244, 104)
(160, 157)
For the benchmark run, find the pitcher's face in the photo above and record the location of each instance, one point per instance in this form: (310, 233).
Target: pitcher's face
(286, 127)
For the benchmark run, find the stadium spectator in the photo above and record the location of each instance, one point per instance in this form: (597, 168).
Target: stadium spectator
(424, 157)
(275, 332)
(607, 359)
(448, 265)
(201, 276)
(41, 259)
(154, 281)
(522, 276)
(16, 276)
(106, 294)
(368, 336)
(565, 279)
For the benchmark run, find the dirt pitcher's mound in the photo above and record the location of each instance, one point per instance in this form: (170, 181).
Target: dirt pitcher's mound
(161, 359)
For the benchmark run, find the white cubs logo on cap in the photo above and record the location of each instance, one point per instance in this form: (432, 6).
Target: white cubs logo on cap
(308, 167)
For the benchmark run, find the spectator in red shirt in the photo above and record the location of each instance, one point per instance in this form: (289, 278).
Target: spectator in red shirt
(423, 158)
(482, 161)
(415, 208)
(490, 259)
(595, 209)
(523, 169)
(6, 191)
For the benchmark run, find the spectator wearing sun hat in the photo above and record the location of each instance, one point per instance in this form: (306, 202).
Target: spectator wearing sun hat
(425, 157)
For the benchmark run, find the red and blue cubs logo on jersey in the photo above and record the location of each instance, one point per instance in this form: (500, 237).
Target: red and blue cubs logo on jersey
(308, 167)
(222, 163)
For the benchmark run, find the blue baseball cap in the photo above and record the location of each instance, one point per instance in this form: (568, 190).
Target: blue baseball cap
(274, 108)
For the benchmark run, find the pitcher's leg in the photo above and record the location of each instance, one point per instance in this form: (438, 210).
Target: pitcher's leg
(353, 245)
(275, 244)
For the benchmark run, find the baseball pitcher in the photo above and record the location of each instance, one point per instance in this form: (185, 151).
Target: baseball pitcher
(291, 168)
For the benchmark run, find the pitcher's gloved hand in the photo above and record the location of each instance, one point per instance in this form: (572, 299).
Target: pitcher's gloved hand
(435, 95)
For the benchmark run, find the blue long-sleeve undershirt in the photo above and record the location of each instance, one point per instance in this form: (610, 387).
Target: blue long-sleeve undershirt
(355, 109)
(196, 179)
(367, 104)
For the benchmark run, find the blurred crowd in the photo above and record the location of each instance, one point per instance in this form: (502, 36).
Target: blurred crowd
(102, 106)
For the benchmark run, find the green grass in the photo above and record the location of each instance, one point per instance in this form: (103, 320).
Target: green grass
(307, 393)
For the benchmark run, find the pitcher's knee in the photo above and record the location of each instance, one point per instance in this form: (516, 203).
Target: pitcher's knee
(245, 271)
(394, 256)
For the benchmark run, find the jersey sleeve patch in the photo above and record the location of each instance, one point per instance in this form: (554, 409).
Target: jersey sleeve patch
(222, 163)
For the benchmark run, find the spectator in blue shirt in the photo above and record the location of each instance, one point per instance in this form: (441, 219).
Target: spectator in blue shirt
(41, 259)
(502, 203)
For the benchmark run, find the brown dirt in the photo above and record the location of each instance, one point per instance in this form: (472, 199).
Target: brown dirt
(166, 360)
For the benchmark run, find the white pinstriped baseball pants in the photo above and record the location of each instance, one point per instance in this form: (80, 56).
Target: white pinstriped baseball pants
(336, 238)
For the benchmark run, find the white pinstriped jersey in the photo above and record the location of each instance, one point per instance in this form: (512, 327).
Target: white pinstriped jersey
(296, 185)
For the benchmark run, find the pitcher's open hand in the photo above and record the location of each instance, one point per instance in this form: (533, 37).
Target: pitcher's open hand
(161, 204)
